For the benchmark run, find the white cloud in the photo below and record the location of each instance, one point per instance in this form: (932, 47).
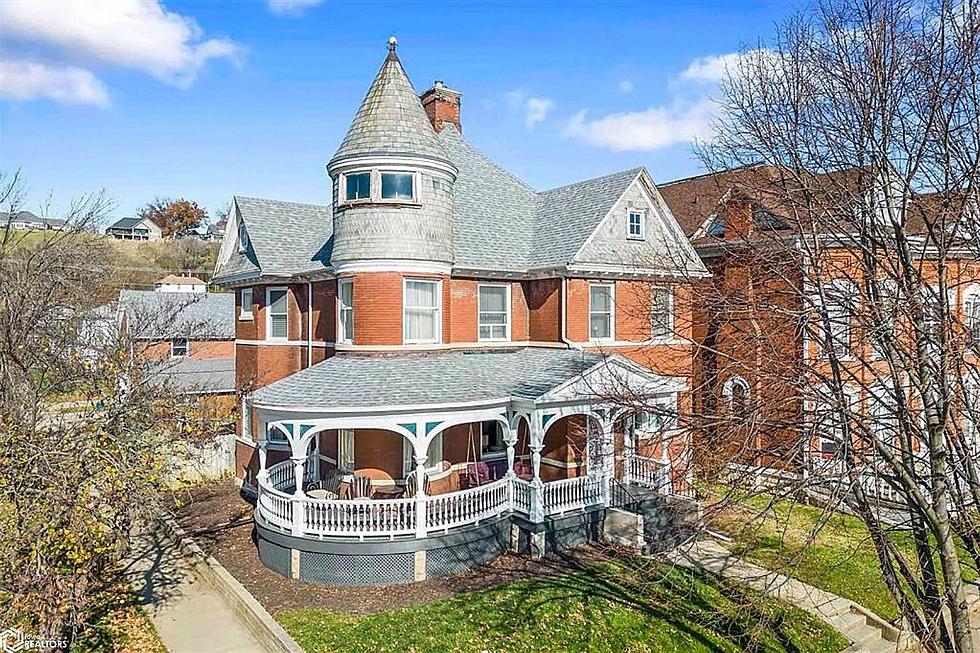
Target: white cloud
(534, 109)
(652, 129)
(291, 7)
(625, 86)
(714, 69)
(137, 34)
(28, 80)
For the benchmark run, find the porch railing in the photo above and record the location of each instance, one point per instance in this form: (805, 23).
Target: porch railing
(571, 494)
(358, 518)
(370, 518)
(650, 473)
(444, 511)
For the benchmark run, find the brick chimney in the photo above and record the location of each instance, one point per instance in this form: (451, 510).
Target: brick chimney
(441, 104)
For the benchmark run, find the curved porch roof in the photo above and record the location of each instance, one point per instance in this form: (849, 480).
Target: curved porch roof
(360, 381)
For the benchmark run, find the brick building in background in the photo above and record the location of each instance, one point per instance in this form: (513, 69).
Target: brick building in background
(444, 362)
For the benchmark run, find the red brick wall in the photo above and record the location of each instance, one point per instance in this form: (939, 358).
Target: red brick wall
(543, 300)
(464, 311)
(197, 349)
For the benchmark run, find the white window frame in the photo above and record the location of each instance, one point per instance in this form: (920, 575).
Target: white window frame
(971, 319)
(887, 291)
(438, 311)
(343, 187)
(629, 224)
(345, 450)
(670, 313)
(173, 347)
(612, 311)
(414, 199)
(245, 309)
(507, 300)
(641, 420)
(341, 309)
(728, 391)
(275, 436)
(268, 313)
(853, 396)
(837, 290)
(242, 237)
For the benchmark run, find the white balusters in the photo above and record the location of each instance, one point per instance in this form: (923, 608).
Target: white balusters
(572, 494)
(445, 511)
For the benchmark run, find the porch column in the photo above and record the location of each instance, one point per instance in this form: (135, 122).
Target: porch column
(537, 485)
(421, 455)
(299, 465)
(263, 446)
(510, 441)
(608, 458)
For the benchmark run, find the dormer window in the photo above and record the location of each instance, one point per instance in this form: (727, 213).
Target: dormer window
(636, 229)
(242, 238)
(397, 186)
(358, 186)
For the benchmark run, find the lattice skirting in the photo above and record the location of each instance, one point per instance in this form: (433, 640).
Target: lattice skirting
(378, 569)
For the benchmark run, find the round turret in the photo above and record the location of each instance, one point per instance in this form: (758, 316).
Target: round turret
(392, 183)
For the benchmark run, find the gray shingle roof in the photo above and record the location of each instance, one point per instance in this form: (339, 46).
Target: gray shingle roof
(126, 223)
(285, 237)
(432, 378)
(566, 216)
(391, 119)
(152, 315)
(194, 376)
(493, 211)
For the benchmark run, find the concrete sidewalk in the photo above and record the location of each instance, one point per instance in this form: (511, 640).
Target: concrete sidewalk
(187, 613)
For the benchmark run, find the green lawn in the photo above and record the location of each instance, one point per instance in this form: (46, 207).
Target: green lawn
(633, 605)
(836, 556)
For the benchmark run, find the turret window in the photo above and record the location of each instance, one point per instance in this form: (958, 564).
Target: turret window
(358, 186)
(397, 186)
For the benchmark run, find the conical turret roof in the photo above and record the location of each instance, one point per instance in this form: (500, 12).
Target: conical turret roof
(391, 119)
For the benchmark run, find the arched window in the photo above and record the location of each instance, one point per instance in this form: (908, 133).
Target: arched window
(242, 238)
(841, 303)
(737, 397)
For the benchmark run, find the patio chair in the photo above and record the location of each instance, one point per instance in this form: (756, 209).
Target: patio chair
(361, 487)
(411, 484)
(477, 474)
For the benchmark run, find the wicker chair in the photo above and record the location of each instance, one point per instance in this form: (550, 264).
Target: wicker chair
(361, 487)
(411, 484)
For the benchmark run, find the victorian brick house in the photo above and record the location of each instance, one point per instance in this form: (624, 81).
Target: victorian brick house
(753, 393)
(444, 362)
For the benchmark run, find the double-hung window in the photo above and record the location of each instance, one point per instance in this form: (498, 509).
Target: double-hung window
(601, 304)
(178, 348)
(345, 311)
(971, 316)
(494, 312)
(661, 312)
(277, 325)
(245, 311)
(357, 186)
(423, 311)
(397, 186)
(841, 297)
(635, 225)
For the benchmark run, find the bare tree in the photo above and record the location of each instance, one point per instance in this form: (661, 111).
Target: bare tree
(853, 216)
(86, 429)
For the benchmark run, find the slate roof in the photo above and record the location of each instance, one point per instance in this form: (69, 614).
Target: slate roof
(284, 237)
(391, 119)
(152, 315)
(197, 376)
(431, 378)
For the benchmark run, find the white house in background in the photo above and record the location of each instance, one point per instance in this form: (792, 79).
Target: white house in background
(27, 221)
(175, 283)
(134, 229)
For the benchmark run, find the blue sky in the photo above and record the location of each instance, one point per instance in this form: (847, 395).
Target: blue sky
(209, 99)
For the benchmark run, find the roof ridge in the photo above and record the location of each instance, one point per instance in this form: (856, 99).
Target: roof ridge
(703, 175)
(632, 171)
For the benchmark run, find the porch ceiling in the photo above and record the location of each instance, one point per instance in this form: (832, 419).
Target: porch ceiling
(351, 381)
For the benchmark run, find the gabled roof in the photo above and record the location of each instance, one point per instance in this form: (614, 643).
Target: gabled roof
(152, 315)
(391, 119)
(285, 238)
(425, 379)
(128, 223)
(566, 216)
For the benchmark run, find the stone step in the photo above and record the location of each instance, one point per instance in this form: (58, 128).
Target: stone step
(846, 621)
(880, 646)
(863, 634)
